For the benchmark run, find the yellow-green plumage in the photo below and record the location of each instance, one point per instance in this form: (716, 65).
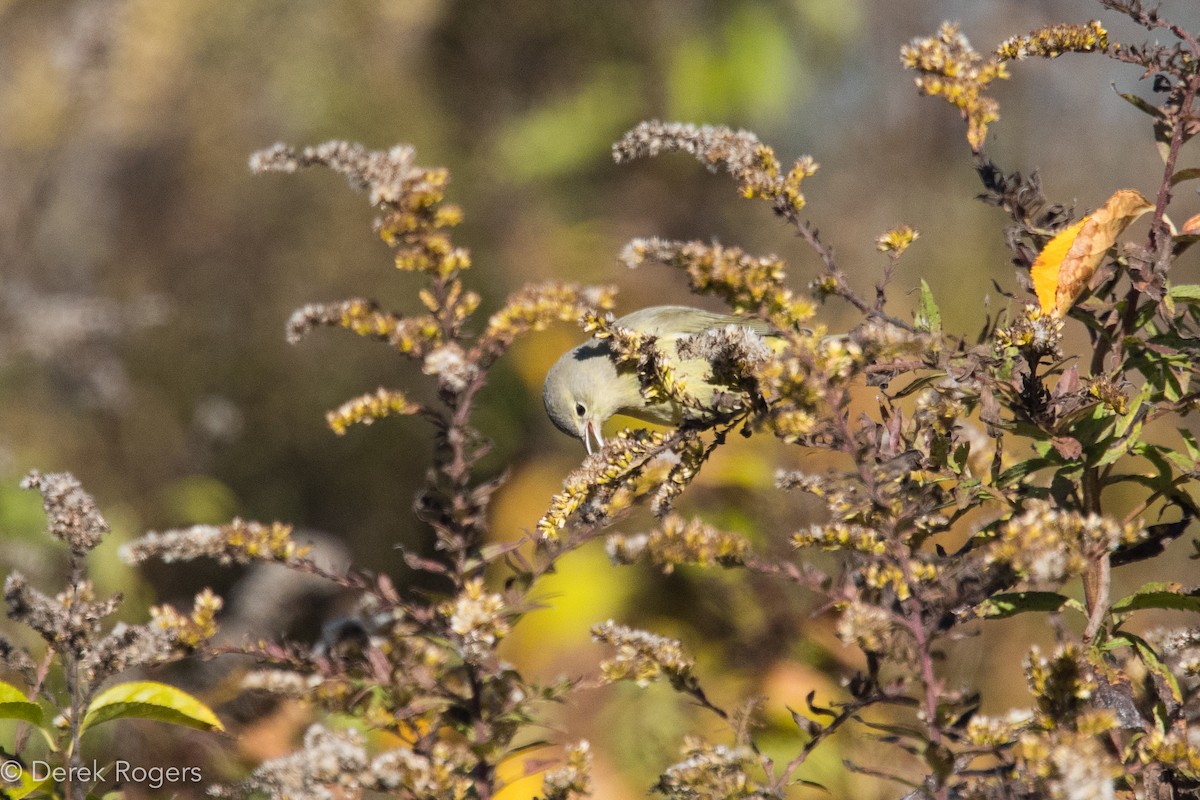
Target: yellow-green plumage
(584, 387)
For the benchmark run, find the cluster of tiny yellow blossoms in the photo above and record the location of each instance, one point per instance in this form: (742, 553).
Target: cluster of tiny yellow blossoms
(1172, 748)
(1035, 332)
(714, 771)
(868, 627)
(897, 240)
(951, 69)
(283, 683)
(985, 731)
(443, 773)
(410, 197)
(334, 764)
(838, 358)
(1068, 764)
(368, 408)
(574, 778)
(411, 335)
(1108, 392)
(192, 630)
(678, 541)
(535, 307)
(238, 542)
(690, 451)
(1045, 545)
(1059, 682)
(478, 617)
(606, 470)
(890, 576)
(841, 536)
(1054, 40)
(844, 498)
(939, 411)
(753, 164)
(747, 283)
(792, 424)
(450, 365)
(644, 657)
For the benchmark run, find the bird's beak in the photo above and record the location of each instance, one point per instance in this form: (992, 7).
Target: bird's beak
(591, 430)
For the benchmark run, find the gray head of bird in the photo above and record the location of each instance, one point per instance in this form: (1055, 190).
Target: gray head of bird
(582, 390)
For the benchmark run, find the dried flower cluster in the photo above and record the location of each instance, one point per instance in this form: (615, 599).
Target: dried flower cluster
(1054, 40)
(643, 657)
(239, 542)
(678, 541)
(951, 69)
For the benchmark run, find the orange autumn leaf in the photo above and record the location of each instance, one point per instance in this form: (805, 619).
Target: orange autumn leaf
(1191, 227)
(1068, 261)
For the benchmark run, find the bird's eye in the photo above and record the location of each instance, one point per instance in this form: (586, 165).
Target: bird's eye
(580, 409)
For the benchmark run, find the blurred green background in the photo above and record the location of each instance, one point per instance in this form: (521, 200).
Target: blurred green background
(145, 275)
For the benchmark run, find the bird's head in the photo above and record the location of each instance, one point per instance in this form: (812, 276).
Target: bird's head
(581, 393)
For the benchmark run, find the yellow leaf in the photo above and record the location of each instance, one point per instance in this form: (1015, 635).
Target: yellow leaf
(1064, 267)
(150, 700)
(1191, 227)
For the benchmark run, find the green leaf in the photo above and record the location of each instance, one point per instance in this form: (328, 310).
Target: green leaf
(1141, 105)
(918, 384)
(1190, 444)
(1158, 595)
(1020, 470)
(1185, 293)
(15, 705)
(150, 700)
(1012, 603)
(26, 785)
(929, 317)
(1164, 681)
(1185, 175)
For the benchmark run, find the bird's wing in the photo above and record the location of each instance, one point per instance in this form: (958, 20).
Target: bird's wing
(678, 321)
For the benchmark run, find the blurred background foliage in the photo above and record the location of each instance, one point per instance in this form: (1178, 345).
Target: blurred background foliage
(145, 276)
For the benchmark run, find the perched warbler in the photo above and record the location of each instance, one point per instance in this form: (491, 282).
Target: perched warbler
(584, 387)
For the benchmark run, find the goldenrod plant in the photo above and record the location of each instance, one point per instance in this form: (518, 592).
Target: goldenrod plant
(964, 478)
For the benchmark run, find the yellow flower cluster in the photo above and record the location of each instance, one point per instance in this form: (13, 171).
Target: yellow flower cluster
(897, 240)
(192, 630)
(678, 541)
(410, 335)
(600, 476)
(1054, 40)
(478, 617)
(255, 541)
(1035, 331)
(951, 69)
(713, 771)
(985, 731)
(1172, 749)
(643, 657)
(841, 536)
(535, 307)
(368, 408)
(868, 627)
(1046, 545)
(747, 283)
(574, 778)
(753, 164)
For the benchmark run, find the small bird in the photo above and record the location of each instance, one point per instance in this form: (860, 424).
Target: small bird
(584, 387)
